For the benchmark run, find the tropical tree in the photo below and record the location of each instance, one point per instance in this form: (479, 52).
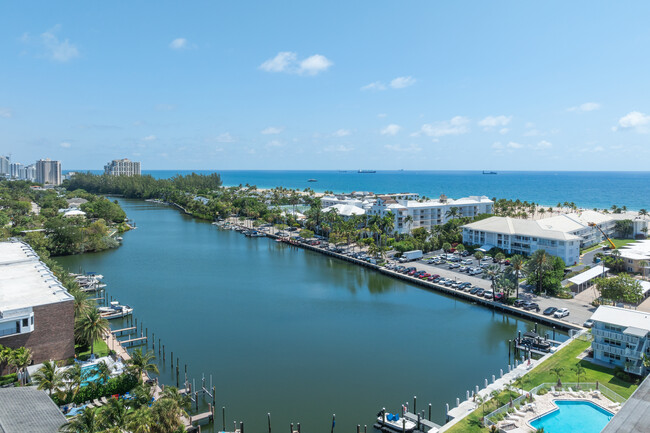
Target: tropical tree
(86, 422)
(540, 262)
(643, 265)
(493, 272)
(478, 255)
(114, 414)
(460, 248)
(72, 378)
(140, 421)
(408, 221)
(90, 327)
(579, 370)
(20, 359)
(446, 247)
(452, 213)
(104, 372)
(517, 265)
(558, 372)
(81, 302)
(142, 362)
(48, 377)
(165, 414)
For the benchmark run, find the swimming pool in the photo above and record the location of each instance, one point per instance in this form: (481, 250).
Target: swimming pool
(573, 417)
(90, 373)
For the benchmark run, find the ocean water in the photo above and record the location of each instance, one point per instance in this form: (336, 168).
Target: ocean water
(585, 189)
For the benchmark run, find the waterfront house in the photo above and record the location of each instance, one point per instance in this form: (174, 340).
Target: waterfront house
(621, 338)
(36, 311)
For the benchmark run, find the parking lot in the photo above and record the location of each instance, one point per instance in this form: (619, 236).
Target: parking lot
(580, 311)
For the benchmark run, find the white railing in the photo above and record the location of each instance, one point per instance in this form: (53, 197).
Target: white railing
(609, 348)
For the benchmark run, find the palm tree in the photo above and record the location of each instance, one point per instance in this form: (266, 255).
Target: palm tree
(183, 400)
(104, 372)
(540, 262)
(20, 359)
(140, 421)
(493, 271)
(142, 362)
(166, 415)
(114, 414)
(81, 302)
(86, 422)
(73, 378)
(90, 327)
(452, 213)
(579, 370)
(5, 354)
(558, 372)
(643, 212)
(48, 378)
(517, 265)
(478, 255)
(408, 221)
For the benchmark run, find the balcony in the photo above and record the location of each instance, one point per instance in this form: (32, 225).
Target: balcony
(608, 348)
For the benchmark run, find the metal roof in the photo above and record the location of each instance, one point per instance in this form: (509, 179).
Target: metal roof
(622, 317)
(595, 272)
(27, 409)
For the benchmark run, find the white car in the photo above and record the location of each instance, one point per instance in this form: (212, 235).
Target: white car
(562, 312)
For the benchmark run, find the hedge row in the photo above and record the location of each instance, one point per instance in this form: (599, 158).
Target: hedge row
(116, 385)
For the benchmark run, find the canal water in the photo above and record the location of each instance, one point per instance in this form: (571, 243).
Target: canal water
(293, 332)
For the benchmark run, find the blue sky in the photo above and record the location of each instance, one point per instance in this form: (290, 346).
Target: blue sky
(327, 85)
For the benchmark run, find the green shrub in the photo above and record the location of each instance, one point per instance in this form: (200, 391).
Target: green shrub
(9, 378)
(115, 385)
(542, 391)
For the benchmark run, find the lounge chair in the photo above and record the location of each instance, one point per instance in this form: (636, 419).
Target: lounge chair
(596, 394)
(505, 424)
(96, 402)
(103, 400)
(90, 406)
(572, 393)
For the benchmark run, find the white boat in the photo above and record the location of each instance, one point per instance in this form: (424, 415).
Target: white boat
(115, 311)
(396, 422)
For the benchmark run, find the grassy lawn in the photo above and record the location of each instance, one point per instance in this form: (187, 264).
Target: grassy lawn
(591, 248)
(621, 242)
(101, 349)
(565, 359)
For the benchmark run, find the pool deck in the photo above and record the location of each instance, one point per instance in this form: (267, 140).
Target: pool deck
(544, 404)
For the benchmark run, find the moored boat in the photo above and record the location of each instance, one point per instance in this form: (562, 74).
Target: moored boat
(115, 311)
(396, 422)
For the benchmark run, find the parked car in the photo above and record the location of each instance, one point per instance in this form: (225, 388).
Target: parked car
(562, 312)
(400, 269)
(488, 294)
(412, 271)
(531, 306)
(499, 297)
(588, 324)
(463, 269)
(549, 311)
(480, 292)
(474, 290)
(519, 303)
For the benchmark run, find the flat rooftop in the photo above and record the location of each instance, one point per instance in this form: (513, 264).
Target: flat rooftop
(622, 317)
(25, 281)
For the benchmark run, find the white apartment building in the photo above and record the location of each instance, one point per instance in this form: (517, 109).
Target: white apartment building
(48, 172)
(427, 213)
(518, 236)
(4, 166)
(122, 167)
(621, 337)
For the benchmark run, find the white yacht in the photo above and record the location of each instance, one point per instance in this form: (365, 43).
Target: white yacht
(396, 422)
(115, 311)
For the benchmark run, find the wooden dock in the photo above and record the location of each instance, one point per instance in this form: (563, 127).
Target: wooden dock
(425, 425)
(133, 341)
(120, 331)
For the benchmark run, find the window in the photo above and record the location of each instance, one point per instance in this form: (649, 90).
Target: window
(25, 323)
(32, 320)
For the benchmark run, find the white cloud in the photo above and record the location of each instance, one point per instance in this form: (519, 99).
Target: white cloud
(225, 138)
(503, 131)
(587, 106)
(275, 143)
(401, 148)
(382, 115)
(65, 145)
(634, 120)
(598, 149)
(544, 145)
(456, 126)
(377, 85)
(179, 44)
(315, 64)
(5, 112)
(495, 121)
(341, 133)
(149, 138)
(529, 125)
(402, 82)
(531, 133)
(497, 145)
(391, 129)
(287, 61)
(271, 130)
(58, 50)
(338, 148)
(513, 145)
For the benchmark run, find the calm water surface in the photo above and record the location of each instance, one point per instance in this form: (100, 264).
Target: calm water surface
(293, 332)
